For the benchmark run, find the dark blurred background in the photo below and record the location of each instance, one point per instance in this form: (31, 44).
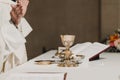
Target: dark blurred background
(89, 20)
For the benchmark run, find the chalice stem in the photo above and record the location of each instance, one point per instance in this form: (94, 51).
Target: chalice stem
(67, 54)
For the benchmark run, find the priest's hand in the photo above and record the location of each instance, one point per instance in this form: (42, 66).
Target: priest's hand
(24, 4)
(18, 11)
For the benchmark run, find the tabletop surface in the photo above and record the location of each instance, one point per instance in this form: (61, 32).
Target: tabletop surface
(106, 68)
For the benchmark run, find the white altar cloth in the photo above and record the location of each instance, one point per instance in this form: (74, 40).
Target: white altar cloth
(106, 68)
(36, 76)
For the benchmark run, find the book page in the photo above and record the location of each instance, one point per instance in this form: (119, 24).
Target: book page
(94, 49)
(76, 49)
(91, 50)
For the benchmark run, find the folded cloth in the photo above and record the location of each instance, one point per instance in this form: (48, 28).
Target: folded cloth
(37, 76)
(24, 27)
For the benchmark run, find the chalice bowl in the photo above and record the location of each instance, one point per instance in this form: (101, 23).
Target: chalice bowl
(67, 41)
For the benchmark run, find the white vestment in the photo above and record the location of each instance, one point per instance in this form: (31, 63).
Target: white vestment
(12, 39)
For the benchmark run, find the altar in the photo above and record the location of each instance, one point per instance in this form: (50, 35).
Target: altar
(106, 68)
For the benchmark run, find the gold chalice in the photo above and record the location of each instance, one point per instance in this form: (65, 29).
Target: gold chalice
(67, 41)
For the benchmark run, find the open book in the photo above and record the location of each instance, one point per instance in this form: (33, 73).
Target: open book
(90, 50)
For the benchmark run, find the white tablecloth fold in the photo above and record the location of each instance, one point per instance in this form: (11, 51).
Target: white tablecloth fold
(37, 76)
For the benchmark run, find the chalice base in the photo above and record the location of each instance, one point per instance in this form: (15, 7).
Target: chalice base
(68, 63)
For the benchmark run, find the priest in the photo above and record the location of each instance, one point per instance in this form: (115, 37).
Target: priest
(13, 30)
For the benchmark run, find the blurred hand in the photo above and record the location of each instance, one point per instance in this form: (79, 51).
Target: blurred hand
(18, 11)
(24, 4)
